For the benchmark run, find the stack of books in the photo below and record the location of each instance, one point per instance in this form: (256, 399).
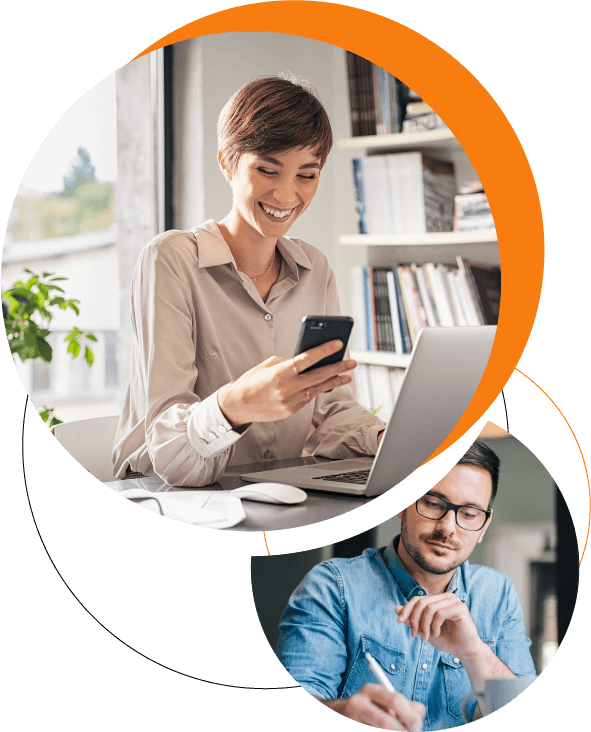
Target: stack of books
(376, 98)
(393, 305)
(419, 117)
(404, 193)
(382, 104)
(472, 212)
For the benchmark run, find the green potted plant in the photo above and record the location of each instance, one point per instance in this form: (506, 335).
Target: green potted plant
(28, 308)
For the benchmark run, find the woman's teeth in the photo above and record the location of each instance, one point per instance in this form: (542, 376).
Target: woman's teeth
(274, 212)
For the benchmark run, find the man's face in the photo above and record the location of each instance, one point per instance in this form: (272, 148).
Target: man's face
(439, 546)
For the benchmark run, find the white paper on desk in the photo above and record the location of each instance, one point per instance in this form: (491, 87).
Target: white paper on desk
(214, 509)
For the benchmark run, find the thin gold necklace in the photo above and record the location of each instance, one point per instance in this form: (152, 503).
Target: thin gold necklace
(265, 273)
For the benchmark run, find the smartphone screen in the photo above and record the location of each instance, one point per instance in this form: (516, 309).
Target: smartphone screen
(319, 329)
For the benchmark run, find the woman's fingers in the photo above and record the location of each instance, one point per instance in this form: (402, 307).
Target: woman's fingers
(306, 359)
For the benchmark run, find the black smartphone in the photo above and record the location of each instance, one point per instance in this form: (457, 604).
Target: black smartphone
(318, 329)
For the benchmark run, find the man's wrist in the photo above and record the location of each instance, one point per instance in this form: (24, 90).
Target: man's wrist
(471, 654)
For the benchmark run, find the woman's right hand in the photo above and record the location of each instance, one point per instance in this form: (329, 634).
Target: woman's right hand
(277, 388)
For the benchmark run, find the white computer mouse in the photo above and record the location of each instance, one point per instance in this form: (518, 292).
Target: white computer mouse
(271, 493)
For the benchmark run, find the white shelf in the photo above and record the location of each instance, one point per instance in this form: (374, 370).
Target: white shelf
(381, 358)
(442, 138)
(438, 238)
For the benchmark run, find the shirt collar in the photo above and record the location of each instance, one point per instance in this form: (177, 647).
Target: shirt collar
(409, 586)
(213, 249)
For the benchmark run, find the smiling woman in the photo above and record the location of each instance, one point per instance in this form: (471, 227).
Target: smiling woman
(216, 311)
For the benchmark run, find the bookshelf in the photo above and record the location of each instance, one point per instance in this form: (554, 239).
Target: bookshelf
(442, 139)
(380, 373)
(435, 238)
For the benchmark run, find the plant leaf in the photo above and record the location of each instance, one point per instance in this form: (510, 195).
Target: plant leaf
(44, 350)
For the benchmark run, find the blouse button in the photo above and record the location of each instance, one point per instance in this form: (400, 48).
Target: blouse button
(424, 667)
(202, 441)
(222, 429)
(212, 435)
(268, 316)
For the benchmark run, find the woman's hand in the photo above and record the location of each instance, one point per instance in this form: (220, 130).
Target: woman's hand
(276, 388)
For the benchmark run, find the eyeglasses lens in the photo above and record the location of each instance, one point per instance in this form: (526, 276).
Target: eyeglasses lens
(471, 519)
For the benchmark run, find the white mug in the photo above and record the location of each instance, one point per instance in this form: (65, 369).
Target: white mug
(497, 693)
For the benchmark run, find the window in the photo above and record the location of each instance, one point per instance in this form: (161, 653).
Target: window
(63, 222)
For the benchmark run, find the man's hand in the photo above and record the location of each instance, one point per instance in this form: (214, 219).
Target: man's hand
(377, 707)
(444, 621)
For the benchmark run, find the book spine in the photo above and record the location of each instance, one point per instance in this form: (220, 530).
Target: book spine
(404, 327)
(440, 294)
(353, 80)
(377, 100)
(419, 276)
(369, 309)
(395, 315)
(414, 301)
(473, 305)
(459, 303)
(451, 298)
(369, 113)
(407, 304)
(359, 196)
(385, 312)
(359, 334)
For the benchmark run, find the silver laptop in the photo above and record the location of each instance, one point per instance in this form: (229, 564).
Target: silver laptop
(444, 372)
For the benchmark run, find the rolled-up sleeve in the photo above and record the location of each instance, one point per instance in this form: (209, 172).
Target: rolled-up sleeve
(188, 440)
(513, 645)
(312, 644)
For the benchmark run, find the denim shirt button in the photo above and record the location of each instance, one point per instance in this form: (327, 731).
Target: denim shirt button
(421, 592)
(393, 667)
(456, 660)
(424, 667)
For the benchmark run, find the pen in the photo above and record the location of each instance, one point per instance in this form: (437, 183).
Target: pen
(380, 676)
(382, 679)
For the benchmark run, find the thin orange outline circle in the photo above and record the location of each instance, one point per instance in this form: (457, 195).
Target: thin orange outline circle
(582, 456)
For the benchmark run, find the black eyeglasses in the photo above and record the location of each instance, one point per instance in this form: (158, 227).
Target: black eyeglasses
(435, 508)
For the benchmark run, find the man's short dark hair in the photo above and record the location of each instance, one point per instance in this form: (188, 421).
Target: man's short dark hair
(481, 456)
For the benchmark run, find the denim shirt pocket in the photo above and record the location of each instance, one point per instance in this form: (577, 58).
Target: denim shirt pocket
(457, 682)
(391, 661)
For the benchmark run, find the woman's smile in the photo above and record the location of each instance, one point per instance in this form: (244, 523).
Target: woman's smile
(277, 214)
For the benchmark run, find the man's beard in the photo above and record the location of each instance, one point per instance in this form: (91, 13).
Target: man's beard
(414, 553)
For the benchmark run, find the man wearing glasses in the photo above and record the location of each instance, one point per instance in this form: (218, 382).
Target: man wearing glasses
(436, 625)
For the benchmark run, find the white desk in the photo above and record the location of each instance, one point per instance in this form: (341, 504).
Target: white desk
(263, 516)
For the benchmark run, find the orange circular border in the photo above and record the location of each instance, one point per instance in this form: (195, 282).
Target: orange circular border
(475, 119)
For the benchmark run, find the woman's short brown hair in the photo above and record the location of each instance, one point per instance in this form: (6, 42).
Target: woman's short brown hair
(272, 114)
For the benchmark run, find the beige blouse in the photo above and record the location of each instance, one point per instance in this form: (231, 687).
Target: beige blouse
(198, 323)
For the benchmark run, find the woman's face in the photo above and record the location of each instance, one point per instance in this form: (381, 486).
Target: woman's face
(272, 191)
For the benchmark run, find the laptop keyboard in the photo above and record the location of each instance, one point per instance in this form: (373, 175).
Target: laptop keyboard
(357, 476)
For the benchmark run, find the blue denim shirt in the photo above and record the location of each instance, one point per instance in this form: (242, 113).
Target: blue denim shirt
(345, 607)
